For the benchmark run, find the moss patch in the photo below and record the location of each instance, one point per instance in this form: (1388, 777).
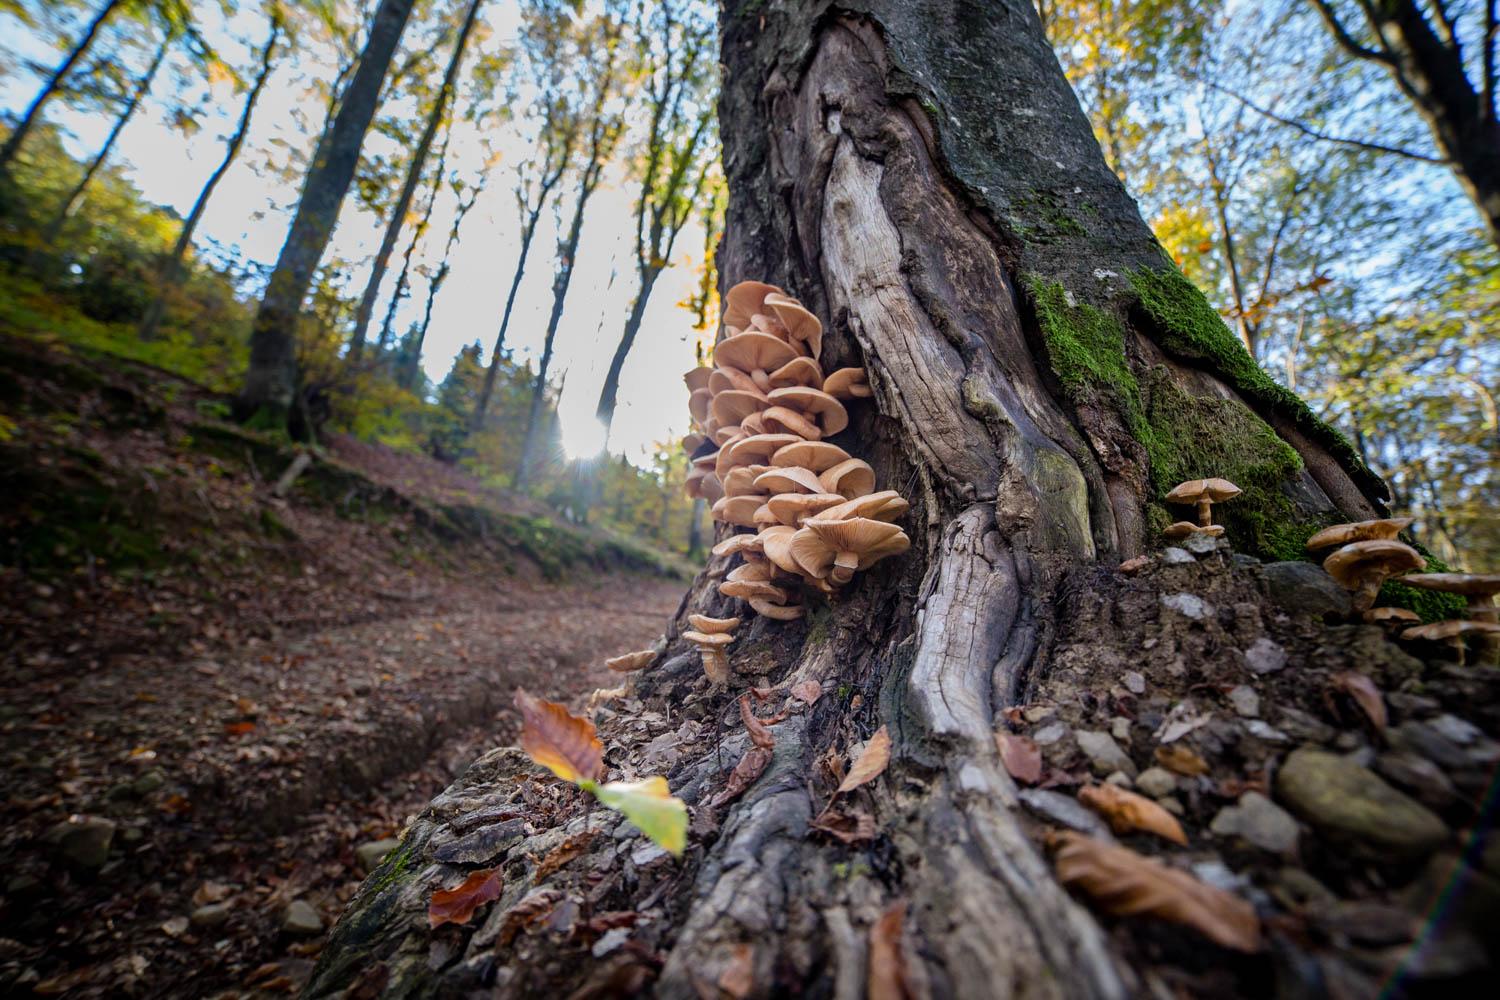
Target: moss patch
(393, 869)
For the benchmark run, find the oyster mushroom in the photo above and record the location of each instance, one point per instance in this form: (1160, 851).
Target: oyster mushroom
(627, 662)
(733, 405)
(713, 626)
(815, 404)
(835, 549)
(816, 456)
(1479, 588)
(887, 505)
(754, 353)
(711, 648)
(783, 420)
(1453, 633)
(847, 384)
(744, 299)
(798, 321)
(794, 508)
(780, 612)
(851, 478)
(725, 377)
(1182, 529)
(698, 378)
(798, 371)
(1391, 617)
(1203, 493)
(1358, 531)
(1362, 567)
(791, 479)
(756, 449)
(738, 510)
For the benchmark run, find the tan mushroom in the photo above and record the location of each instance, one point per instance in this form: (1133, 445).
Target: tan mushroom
(1362, 567)
(764, 517)
(756, 449)
(1391, 617)
(754, 353)
(733, 405)
(815, 404)
(788, 480)
(1182, 529)
(627, 662)
(1479, 588)
(711, 648)
(740, 481)
(753, 588)
(709, 488)
(738, 510)
(1203, 493)
(697, 378)
(836, 549)
(851, 478)
(744, 300)
(776, 544)
(1359, 531)
(742, 544)
(724, 377)
(728, 435)
(782, 420)
(693, 442)
(816, 456)
(847, 384)
(794, 508)
(798, 321)
(755, 423)
(770, 609)
(1453, 633)
(698, 403)
(798, 371)
(713, 626)
(887, 505)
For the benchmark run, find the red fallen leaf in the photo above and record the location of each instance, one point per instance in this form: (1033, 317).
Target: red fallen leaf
(871, 763)
(457, 906)
(1021, 757)
(887, 968)
(759, 734)
(1363, 692)
(808, 691)
(848, 827)
(751, 766)
(558, 740)
(239, 728)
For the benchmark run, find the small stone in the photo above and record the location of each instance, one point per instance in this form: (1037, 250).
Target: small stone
(646, 852)
(1420, 777)
(148, 783)
(1171, 805)
(1049, 734)
(1189, 606)
(301, 919)
(1104, 753)
(1038, 713)
(1184, 717)
(1134, 682)
(1119, 779)
(1156, 782)
(1173, 556)
(174, 927)
(368, 856)
(1305, 727)
(1244, 701)
(83, 840)
(1265, 656)
(1259, 821)
(1244, 560)
(1119, 728)
(1456, 729)
(1426, 740)
(1061, 809)
(1219, 875)
(1202, 544)
(1305, 589)
(1352, 805)
(211, 915)
(1263, 730)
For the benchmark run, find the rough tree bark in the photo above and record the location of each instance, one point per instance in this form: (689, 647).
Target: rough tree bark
(920, 174)
(271, 381)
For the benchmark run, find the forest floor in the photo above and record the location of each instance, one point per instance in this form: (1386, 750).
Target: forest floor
(219, 701)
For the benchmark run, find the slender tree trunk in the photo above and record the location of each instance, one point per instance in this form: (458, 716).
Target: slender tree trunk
(171, 271)
(404, 275)
(528, 230)
(409, 187)
(142, 87)
(899, 165)
(53, 83)
(609, 394)
(414, 359)
(270, 384)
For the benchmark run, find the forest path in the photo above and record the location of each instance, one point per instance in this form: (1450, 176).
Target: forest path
(237, 783)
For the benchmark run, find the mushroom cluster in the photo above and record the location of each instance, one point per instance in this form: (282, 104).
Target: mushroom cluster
(1483, 621)
(1202, 494)
(762, 415)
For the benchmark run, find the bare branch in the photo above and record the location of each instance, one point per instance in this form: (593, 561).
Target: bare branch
(1312, 133)
(1346, 41)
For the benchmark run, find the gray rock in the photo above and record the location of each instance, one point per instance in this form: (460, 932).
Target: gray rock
(1061, 809)
(1134, 681)
(1119, 728)
(1173, 556)
(1426, 740)
(1049, 734)
(368, 856)
(211, 915)
(148, 783)
(1456, 729)
(1304, 727)
(299, 918)
(83, 840)
(1244, 560)
(1189, 606)
(1119, 779)
(1104, 753)
(1259, 821)
(1351, 805)
(1156, 782)
(1305, 589)
(1265, 656)
(1244, 701)
(1263, 730)
(1202, 545)
(1420, 777)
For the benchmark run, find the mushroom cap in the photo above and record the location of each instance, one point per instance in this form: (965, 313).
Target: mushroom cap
(1353, 563)
(744, 300)
(724, 435)
(706, 462)
(815, 403)
(733, 405)
(770, 609)
(698, 402)
(752, 588)
(817, 456)
(1375, 615)
(697, 378)
(887, 505)
(794, 508)
(776, 543)
(738, 510)
(798, 371)
(692, 484)
(799, 321)
(754, 424)
(740, 482)
(819, 542)
(1451, 630)
(737, 544)
(782, 420)
(764, 517)
(713, 626)
(791, 479)
(760, 572)
(726, 377)
(1182, 529)
(848, 383)
(693, 442)
(1358, 531)
(1195, 490)
(1468, 584)
(851, 478)
(754, 449)
(627, 662)
(709, 639)
(710, 488)
(753, 351)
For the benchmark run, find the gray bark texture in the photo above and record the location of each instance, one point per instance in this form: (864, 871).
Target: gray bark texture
(922, 177)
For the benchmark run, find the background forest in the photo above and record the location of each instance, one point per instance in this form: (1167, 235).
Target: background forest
(522, 265)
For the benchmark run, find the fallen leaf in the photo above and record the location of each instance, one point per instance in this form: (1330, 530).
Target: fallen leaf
(457, 906)
(1181, 720)
(808, 691)
(849, 827)
(751, 766)
(1125, 884)
(559, 740)
(1127, 811)
(648, 803)
(1181, 760)
(1021, 757)
(239, 728)
(759, 734)
(1363, 692)
(887, 968)
(531, 909)
(871, 763)
(738, 977)
(563, 853)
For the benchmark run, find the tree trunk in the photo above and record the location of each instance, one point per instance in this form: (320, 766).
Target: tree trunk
(171, 271)
(920, 175)
(271, 382)
(409, 187)
(52, 85)
(142, 87)
(609, 394)
(414, 359)
(404, 275)
(528, 230)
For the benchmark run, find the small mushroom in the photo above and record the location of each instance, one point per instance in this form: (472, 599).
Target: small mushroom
(725, 377)
(713, 626)
(752, 588)
(1479, 588)
(755, 423)
(1453, 633)
(798, 371)
(697, 378)
(1391, 617)
(698, 403)
(1362, 567)
(815, 404)
(755, 449)
(738, 510)
(711, 648)
(754, 353)
(728, 435)
(816, 456)
(764, 517)
(1182, 529)
(783, 420)
(788, 480)
(741, 481)
(1203, 493)
(794, 508)
(799, 322)
(742, 544)
(1358, 531)
(744, 300)
(776, 544)
(710, 488)
(847, 384)
(627, 662)
(733, 405)
(836, 549)
(693, 442)
(780, 612)
(887, 505)
(851, 478)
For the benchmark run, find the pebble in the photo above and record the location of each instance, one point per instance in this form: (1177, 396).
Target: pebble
(1181, 720)
(1265, 656)
(210, 915)
(1201, 544)
(1134, 681)
(301, 919)
(1456, 729)
(1119, 728)
(1048, 735)
(1304, 727)
(1104, 753)
(1219, 875)
(1173, 556)
(1038, 713)
(148, 783)
(1351, 804)
(1244, 701)
(1171, 805)
(1119, 779)
(1305, 589)
(1419, 776)
(1156, 782)
(368, 856)
(1263, 730)
(1259, 821)
(1188, 605)
(1065, 810)
(83, 840)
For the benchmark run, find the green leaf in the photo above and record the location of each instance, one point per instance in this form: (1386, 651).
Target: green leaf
(649, 804)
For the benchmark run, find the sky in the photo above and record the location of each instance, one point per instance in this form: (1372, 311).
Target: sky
(251, 211)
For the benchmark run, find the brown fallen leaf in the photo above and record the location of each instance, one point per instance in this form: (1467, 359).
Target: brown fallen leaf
(871, 763)
(751, 766)
(1181, 760)
(1021, 757)
(1127, 811)
(849, 827)
(1363, 692)
(887, 968)
(529, 910)
(563, 853)
(759, 734)
(559, 740)
(457, 905)
(808, 691)
(239, 728)
(1123, 883)
(738, 977)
